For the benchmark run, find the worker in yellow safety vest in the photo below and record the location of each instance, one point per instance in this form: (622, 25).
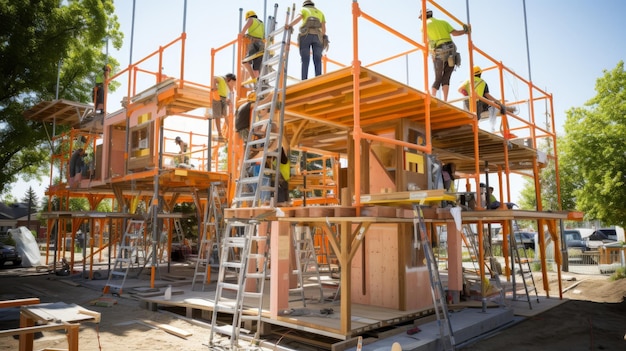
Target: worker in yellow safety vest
(98, 90)
(482, 90)
(442, 50)
(312, 37)
(253, 30)
(222, 87)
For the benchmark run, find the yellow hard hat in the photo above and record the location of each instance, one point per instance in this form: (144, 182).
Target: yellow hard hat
(477, 70)
(250, 14)
(107, 67)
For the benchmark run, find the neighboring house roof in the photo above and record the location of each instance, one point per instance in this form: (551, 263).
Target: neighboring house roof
(14, 211)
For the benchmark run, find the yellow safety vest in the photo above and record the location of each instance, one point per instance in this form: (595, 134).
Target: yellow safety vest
(479, 86)
(222, 87)
(256, 30)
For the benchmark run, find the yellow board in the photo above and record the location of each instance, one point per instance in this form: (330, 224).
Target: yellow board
(414, 162)
(144, 118)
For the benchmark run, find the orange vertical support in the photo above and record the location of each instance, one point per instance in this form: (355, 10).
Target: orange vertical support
(356, 72)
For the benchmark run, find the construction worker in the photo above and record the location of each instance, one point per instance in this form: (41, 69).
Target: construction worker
(442, 50)
(482, 90)
(98, 90)
(222, 88)
(312, 37)
(184, 157)
(76, 165)
(254, 30)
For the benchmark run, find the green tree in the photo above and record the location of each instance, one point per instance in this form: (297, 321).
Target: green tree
(547, 181)
(593, 155)
(31, 198)
(43, 40)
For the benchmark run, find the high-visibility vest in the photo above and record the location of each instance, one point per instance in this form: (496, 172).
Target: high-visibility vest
(256, 30)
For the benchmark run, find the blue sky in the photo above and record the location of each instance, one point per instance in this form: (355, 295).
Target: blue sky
(570, 41)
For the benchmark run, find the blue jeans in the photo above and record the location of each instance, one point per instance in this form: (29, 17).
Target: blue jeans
(307, 43)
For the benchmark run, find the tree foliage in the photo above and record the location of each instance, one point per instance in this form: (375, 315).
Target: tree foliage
(593, 155)
(40, 42)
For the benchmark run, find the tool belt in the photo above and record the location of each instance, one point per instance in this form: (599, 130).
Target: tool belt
(443, 51)
(312, 26)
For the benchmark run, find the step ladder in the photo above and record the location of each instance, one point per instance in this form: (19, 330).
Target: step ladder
(245, 253)
(436, 288)
(520, 258)
(307, 267)
(212, 226)
(130, 253)
(178, 232)
(490, 263)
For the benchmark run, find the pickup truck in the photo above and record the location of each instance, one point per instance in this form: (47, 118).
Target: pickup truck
(601, 237)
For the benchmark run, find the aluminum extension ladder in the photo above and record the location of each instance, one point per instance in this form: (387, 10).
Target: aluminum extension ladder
(244, 252)
(524, 269)
(436, 288)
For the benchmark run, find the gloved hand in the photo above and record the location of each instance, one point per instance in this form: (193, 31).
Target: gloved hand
(502, 109)
(325, 42)
(467, 28)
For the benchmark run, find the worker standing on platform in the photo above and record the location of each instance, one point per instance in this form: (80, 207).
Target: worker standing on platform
(312, 37)
(222, 88)
(482, 90)
(98, 90)
(442, 50)
(76, 167)
(183, 158)
(254, 30)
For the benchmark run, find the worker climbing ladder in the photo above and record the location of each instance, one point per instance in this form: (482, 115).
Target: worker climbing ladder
(520, 258)
(245, 253)
(130, 252)
(436, 288)
(307, 267)
(212, 226)
(262, 151)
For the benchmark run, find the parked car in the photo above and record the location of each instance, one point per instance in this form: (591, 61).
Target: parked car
(601, 237)
(574, 240)
(9, 254)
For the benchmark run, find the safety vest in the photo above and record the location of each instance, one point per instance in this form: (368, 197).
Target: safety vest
(100, 78)
(222, 87)
(479, 86)
(256, 30)
(438, 32)
(285, 170)
(312, 20)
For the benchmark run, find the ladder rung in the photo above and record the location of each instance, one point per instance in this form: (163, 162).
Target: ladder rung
(260, 123)
(272, 61)
(277, 31)
(255, 275)
(229, 286)
(256, 295)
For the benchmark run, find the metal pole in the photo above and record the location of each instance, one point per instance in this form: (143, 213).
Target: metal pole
(530, 77)
(185, 17)
(132, 36)
(238, 31)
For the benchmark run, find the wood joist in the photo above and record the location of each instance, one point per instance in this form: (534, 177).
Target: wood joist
(319, 113)
(61, 112)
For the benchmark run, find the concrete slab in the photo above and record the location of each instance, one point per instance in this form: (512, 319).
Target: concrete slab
(466, 324)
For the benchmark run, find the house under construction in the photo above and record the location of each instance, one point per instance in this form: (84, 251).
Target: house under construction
(365, 154)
